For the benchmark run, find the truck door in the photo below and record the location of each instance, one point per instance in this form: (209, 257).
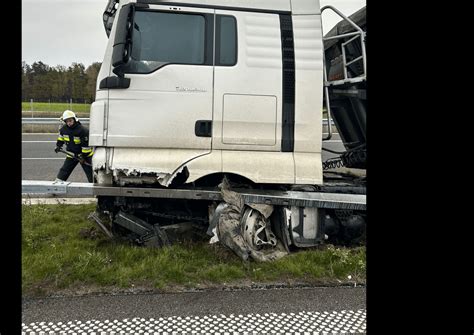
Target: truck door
(248, 81)
(169, 101)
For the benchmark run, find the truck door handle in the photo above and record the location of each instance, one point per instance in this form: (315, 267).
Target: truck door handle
(203, 128)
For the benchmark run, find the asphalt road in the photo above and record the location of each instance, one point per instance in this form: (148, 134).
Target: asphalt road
(40, 162)
(109, 307)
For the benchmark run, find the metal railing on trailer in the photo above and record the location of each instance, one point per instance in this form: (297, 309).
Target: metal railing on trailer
(358, 34)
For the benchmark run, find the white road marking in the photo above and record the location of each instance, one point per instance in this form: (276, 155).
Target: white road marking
(345, 321)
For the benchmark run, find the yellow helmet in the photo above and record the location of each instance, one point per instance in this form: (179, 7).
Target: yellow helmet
(68, 114)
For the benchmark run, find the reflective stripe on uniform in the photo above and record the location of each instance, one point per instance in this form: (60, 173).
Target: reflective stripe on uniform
(88, 150)
(60, 138)
(77, 140)
(66, 138)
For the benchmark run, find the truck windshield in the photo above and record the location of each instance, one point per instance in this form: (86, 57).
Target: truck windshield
(163, 37)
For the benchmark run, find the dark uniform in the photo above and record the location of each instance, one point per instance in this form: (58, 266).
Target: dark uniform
(77, 141)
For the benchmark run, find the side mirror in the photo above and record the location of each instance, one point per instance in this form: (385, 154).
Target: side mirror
(123, 39)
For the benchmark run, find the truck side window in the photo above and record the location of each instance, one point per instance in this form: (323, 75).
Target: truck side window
(226, 40)
(160, 38)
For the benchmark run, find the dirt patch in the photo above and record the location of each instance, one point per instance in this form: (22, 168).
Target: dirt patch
(44, 290)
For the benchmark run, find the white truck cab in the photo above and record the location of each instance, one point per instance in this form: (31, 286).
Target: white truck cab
(200, 88)
(199, 95)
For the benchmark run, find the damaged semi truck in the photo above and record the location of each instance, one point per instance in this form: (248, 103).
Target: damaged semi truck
(208, 121)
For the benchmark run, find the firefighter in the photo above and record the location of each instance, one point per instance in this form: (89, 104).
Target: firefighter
(76, 137)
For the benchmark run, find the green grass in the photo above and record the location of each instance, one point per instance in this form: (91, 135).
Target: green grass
(57, 256)
(46, 107)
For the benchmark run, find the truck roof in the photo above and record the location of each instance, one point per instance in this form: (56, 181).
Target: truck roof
(293, 6)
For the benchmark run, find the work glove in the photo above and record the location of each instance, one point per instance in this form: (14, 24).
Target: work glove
(57, 149)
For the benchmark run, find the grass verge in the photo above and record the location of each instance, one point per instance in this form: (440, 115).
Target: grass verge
(63, 253)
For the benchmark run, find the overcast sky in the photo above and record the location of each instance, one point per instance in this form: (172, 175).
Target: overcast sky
(60, 32)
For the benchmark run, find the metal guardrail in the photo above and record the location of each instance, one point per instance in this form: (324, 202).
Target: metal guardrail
(39, 188)
(47, 120)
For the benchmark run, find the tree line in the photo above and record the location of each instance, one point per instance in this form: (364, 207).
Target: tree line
(44, 83)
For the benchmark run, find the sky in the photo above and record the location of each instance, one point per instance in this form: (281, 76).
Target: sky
(60, 32)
